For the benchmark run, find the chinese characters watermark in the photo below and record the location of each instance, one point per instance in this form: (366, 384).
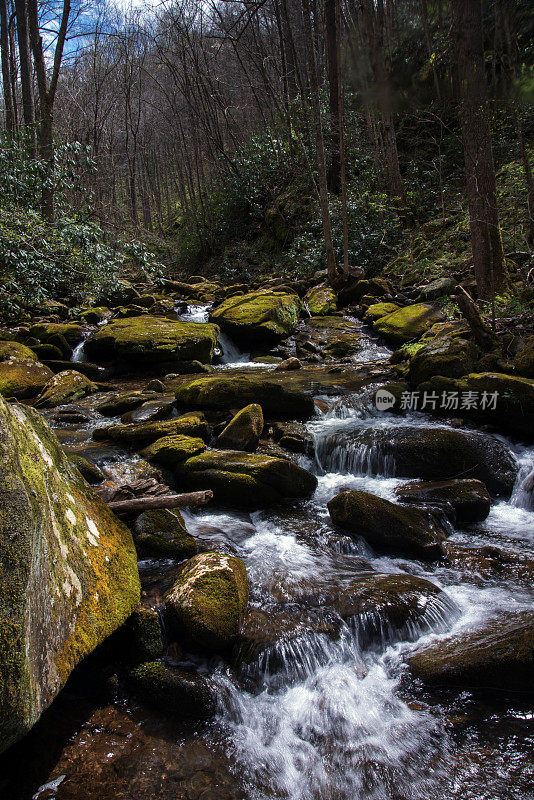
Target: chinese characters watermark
(444, 401)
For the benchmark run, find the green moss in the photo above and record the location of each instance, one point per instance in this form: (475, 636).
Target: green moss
(44, 331)
(21, 379)
(162, 532)
(408, 323)
(65, 387)
(244, 430)
(143, 433)
(379, 310)
(259, 316)
(16, 350)
(170, 450)
(321, 301)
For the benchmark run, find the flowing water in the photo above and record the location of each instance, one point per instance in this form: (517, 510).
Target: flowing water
(323, 708)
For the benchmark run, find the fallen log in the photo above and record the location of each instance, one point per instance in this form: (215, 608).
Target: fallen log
(138, 504)
(482, 333)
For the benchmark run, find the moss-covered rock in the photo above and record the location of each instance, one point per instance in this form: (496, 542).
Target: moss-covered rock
(337, 336)
(438, 454)
(294, 437)
(387, 526)
(95, 315)
(152, 339)
(144, 433)
(118, 404)
(246, 480)
(355, 290)
(65, 387)
(464, 501)
(208, 601)
(89, 471)
(21, 379)
(16, 350)
(68, 570)
(243, 431)
(408, 323)
(162, 533)
(514, 408)
(498, 655)
(144, 636)
(48, 331)
(173, 690)
(379, 310)
(524, 359)
(262, 316)
(234, 391)
(441, 287)
(321, 301)
(170, 450)
(451, 358)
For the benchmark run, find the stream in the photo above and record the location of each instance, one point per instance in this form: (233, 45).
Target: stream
(327, 710)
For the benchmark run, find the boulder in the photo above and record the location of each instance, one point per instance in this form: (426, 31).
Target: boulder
(152, 340)
(173, 690)
(150, 410)
(89, 471)
(524, 359)
(142, 636)
(337, 336)
(16, 350)
(144, 433)
(498, 655)
(451, 358)
(228, 391)
(49, 331)
(378, 310)
(243, 431)
(408, 323)
(294, 437)
(22, 379)
(68, 570)
(464, 501)
(388, 527)
(246, 480)
(208, 601)
(65, 387)
(514, 409)
(95, 315)
(441, 287)
(170, 450)
(262, 316)
(438, 454)
(321, 301)
(119, 404)
(162, 533)
(354, 290)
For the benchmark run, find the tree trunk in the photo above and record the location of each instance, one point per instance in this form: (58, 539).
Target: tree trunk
(138, 504)
(488, 257)
(26, 81)
(6, 72)
(331, 10)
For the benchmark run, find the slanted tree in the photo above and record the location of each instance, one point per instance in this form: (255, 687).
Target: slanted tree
(486, 242)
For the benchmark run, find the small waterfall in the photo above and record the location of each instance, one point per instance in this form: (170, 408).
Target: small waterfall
(336, 453)
(78, 354)
(196, 313)
(230, 352)
(523, 493)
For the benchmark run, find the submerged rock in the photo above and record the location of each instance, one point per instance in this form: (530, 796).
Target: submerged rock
(162, 533)
(228, 391)
(153, 340)
(139, 434)
(65, 387)
(246, 480)
(260, 316)
(243, 431)
(68, 570)
(149, 411)
(173, 690)
(387, 526)
(208, 601)
(498, 655)
(21, 379)
(408, 323)
(465, 501)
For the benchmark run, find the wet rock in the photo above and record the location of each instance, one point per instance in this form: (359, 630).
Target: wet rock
(355, 290)
(441, 287)
(65, 387)
(162, 533)
(246, 480)
(498, 655)
(243, 431)
(226, 391)
(378, 310)
(144, 433)
(68, 570)
(438, 454)
(95, 315)
(260, 316)
(387, 526)
(408, 323)
(48, 331)
(464, 501)
(152, 340)
(208, 601)
(90, 472)
(173, 690)
(337, 336)
(47, 352)
(149, 411)
(22, 379)
(119, 404)
(524, 359)
(293, 437)
(288, 364)
(170, 450)
(451, 358)
(155, 386)
(16, 350)
(94, 372)
(514, 408)
(143, 636)
(321, 301)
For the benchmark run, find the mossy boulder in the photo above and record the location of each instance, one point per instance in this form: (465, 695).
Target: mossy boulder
(21, 379)
(150, 410)
(16, 350)
(388, 527)
(451, 358)
(246, 480)
(338, 337)
(438, 454)
(229, 391)
(143, 636)
(170, 450)
(144, 433)
(162, 533)
(65, 387)
(68, 570)
(514, 409)
(378, 310)
(172, 690)
(408, 323)
(355, 290)
(208, 601)
(498, 655)
(524, 359)
(89, 471)
(95, 315)
(441, 287)
(153, 340)
(464, 501)
(243, 431)
(118, 404)
(49, 331)
(321, 301)
(262, 316)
